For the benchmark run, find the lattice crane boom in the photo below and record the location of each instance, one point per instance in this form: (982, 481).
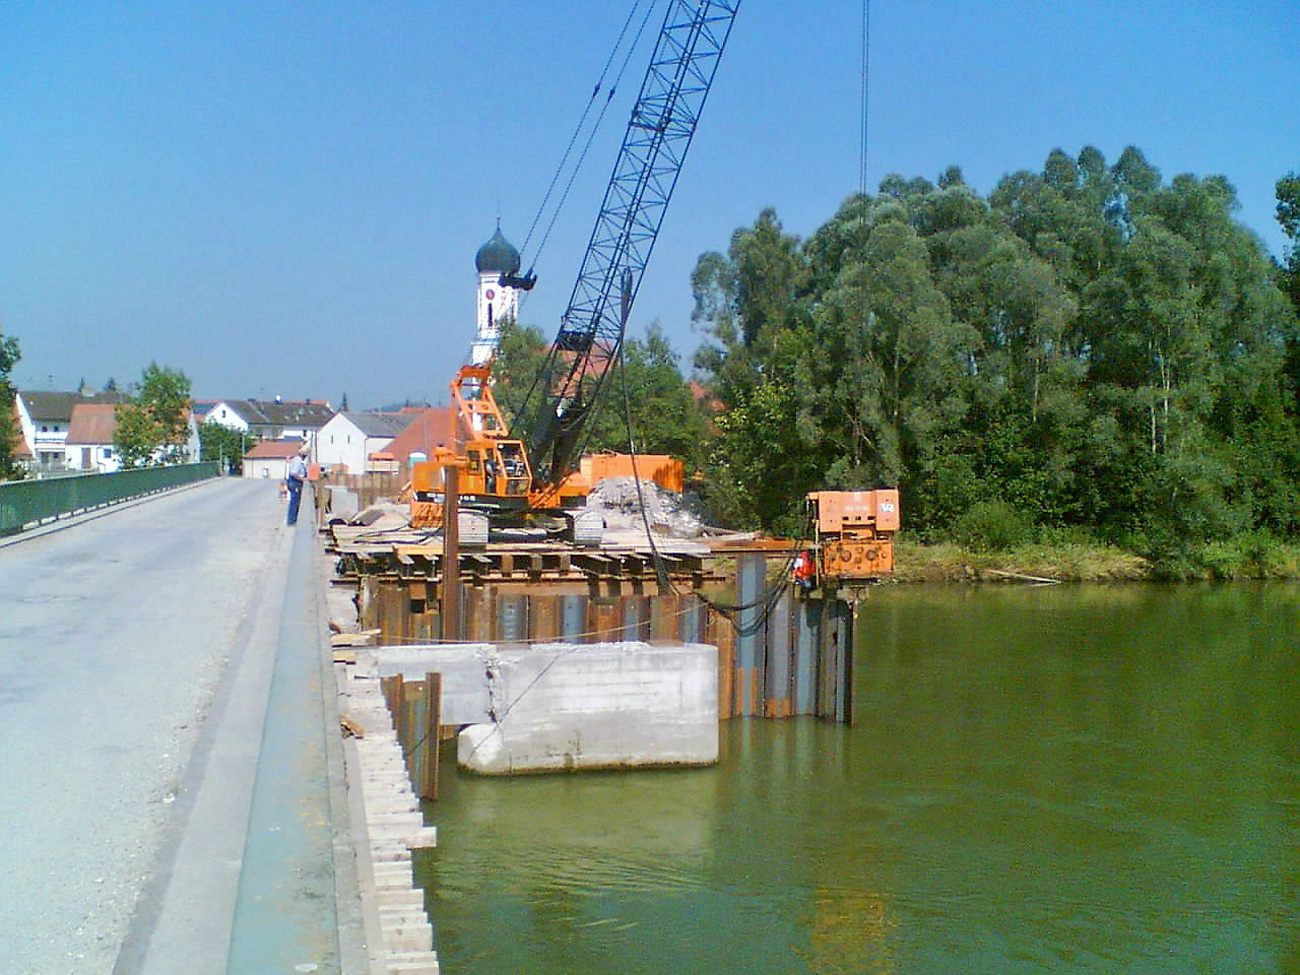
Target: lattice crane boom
(659, 133)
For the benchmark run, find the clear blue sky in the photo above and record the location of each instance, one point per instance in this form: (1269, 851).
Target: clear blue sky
(286, 197)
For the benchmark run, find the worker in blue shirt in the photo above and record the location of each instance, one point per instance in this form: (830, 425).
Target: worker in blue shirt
(294, 481)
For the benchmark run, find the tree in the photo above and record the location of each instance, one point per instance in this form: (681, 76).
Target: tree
(516, 368)
(1288, 215)
(664, 416)
(1092, 345)
(218, 443)
(751, 304)
(883, 370)
(745, 301)
(648, 391)
(153, 424)
(9, 356)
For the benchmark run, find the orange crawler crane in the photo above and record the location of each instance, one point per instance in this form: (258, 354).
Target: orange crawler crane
(854, 533)
(494, 469)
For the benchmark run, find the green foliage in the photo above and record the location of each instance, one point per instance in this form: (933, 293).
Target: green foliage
(1288, 215)
(9, 432)
(1248, 555)
(665, 419)
(648, 386)
(991, 526)
(224, 445)
(757, 474)
(153, 424)
(516, 367)
(1088, 348)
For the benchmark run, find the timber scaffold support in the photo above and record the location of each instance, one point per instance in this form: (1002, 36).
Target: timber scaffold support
(777, 658)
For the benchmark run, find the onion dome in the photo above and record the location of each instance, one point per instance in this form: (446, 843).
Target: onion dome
(497, 256)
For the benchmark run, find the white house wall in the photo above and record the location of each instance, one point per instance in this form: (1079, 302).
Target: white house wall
(101, 459)
(266, 468)
(28, 426)
(341, 443)
(224, 415)
(48, 439)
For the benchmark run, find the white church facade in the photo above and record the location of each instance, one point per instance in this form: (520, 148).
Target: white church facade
(497, 302)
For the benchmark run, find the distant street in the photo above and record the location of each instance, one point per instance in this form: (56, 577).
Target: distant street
(114, 635)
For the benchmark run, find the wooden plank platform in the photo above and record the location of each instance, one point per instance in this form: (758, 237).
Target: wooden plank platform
(403, 554)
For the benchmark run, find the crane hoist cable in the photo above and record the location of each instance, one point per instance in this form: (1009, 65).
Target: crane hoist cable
(577, 131)
(591, 137)
(866, 65)
(767, 600)
(658, 136)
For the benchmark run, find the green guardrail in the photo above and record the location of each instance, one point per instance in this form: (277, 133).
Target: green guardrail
(24, 503)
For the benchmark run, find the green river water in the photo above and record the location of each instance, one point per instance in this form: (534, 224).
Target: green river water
(1064, 779)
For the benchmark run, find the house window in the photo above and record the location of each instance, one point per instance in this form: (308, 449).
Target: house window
(108, 452)
(45, 429)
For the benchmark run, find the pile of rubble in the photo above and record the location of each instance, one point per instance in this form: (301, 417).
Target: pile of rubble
(617, 501)
(614, 502)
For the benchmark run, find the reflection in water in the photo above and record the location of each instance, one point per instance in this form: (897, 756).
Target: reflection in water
(1079, 778)
(849, 932)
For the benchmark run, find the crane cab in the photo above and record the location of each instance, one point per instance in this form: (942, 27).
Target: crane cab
(494, 469)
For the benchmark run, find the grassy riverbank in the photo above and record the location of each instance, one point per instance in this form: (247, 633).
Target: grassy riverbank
(1247, 557)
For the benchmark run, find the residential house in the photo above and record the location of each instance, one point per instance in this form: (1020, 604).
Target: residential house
(349, 441)
(271, 419)
(74, 432)
(436, 426)
(91, 434)
(201, 408)
(45, 417)
(22, 452)
(234, 414)
(269, 459)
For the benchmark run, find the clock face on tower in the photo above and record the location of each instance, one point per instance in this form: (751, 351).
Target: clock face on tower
(491, 294)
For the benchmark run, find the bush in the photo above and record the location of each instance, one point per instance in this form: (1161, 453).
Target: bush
(1223, 560)
(991, 526)
(1248, 555)
(1063, 536)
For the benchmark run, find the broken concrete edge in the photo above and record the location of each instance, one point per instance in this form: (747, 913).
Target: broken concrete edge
(472, 736)
(557, 707)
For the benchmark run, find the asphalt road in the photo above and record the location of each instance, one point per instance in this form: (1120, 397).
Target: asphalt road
(115, 636)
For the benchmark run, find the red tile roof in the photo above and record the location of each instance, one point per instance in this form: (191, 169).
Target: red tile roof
(429, 428)
(273, 450)
(92, 423)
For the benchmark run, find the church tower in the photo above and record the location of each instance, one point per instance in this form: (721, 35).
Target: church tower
(496, 302)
